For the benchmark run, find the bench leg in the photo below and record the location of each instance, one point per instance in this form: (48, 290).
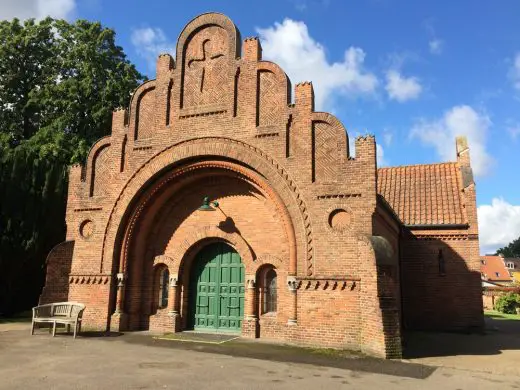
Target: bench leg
(32, 328)
(75, 329)
(50, 328)
(68, 328)
(54, 329)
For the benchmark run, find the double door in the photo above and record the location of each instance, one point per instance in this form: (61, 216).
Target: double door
(217, 290)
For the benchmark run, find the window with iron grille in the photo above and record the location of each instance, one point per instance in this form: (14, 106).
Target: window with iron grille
(164, 276)
(270, 293)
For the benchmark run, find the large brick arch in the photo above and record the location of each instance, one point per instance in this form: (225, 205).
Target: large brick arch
(249, 161)
(177, 175)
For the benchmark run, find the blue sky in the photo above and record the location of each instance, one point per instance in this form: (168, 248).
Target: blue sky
(413, 73)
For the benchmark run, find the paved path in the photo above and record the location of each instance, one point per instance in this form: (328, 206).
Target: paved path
(138, 362)
(496, 351)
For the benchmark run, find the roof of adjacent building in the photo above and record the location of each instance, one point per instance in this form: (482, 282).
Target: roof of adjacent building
(515, 262)
(428, 194)
(493, 268)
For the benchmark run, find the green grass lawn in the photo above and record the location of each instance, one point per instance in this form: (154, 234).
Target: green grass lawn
(501, 316)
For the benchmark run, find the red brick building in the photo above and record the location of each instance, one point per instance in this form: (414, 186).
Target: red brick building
(307, 243)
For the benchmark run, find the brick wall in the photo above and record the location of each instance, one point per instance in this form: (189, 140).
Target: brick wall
(58, 265)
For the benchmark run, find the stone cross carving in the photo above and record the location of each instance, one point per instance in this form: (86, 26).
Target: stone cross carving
(203, 62)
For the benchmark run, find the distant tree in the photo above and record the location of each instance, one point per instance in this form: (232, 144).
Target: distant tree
(511, 250)
(59, 83)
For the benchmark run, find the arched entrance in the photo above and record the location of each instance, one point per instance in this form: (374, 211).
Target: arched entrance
(164, 224)
(216, 290)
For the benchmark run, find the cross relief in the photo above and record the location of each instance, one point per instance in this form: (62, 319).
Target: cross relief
(206, 61)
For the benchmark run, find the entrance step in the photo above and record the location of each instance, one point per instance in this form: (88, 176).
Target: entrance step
(198, 337)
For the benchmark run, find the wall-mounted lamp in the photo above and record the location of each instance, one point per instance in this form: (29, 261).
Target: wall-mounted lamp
(207, 205)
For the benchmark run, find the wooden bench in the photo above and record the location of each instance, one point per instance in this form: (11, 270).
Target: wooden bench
(67, 313)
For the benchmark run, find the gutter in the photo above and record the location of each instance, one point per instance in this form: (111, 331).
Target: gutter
(438, 226)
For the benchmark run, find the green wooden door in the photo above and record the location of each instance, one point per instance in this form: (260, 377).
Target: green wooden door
(217, 289)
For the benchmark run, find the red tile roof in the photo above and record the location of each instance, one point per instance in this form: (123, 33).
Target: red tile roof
(428, 194)
(493, 268)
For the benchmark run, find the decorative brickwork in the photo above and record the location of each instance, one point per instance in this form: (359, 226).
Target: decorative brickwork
(288, 201)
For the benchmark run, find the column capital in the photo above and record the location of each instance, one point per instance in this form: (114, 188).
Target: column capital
(292, 283)
(174, 280)
(121, 279)
(250, 281)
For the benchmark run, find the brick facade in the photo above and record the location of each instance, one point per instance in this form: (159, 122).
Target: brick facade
(219, 122)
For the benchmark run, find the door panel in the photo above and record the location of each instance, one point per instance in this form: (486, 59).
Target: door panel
(218, 282)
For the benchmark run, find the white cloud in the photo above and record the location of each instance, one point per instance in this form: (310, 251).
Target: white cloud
(514, 72)
(459, 120)
(388, 137)
(402, 88)
(149, 42)
(436, 46)
(514, 131)
(352, 143)
(38, 9)
(499, 224)
(290, 45)
(380, 152)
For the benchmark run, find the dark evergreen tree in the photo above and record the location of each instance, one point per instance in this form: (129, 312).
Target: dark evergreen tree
(511, 250)
(59, 83)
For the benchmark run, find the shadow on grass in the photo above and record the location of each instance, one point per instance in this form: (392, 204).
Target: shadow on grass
(502, 316)
(500, 334)
(99, 334)
(25, 316)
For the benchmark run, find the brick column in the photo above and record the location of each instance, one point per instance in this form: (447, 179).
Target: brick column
(250, 322)
(118, 319)
(292, 285)
(250, 310)
(121, 278)
(173, 302)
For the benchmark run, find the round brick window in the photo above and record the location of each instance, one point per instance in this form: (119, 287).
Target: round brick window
(340, 219)
(86, 228)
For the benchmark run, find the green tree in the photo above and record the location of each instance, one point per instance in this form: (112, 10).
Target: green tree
(59, 83)
(507, 303)
(511, 250)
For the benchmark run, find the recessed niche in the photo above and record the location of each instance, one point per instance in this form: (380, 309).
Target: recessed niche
(340, 219)
(86, 228)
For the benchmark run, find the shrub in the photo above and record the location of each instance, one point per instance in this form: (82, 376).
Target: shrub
(507, 303)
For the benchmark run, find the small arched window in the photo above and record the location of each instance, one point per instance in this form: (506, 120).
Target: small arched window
(270, 294)
(164, 277)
